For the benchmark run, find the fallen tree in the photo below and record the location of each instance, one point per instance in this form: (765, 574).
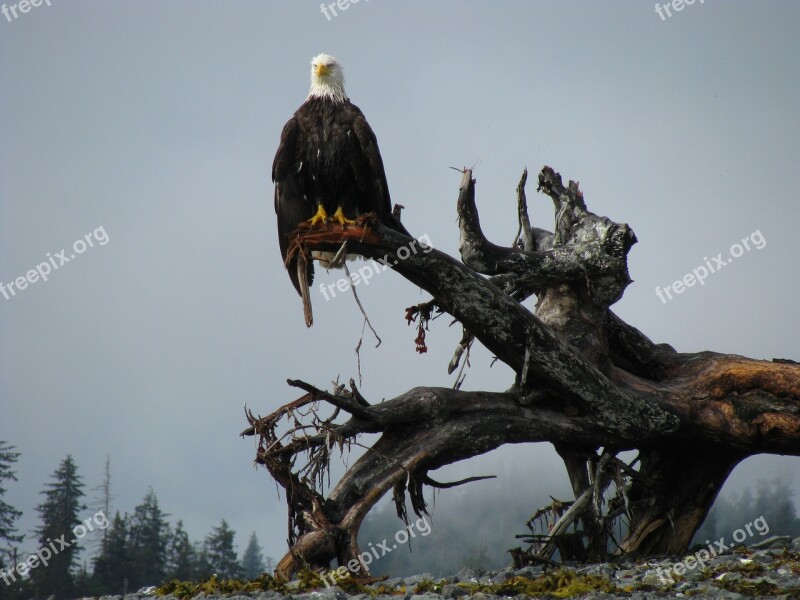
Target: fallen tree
(586, 381)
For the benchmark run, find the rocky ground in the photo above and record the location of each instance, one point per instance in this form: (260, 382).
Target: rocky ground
(770, 569)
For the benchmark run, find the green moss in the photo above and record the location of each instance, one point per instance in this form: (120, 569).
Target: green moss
(754, 589)
(427, 585)
(563, 583)
(559, 584)
(751, 568)
(188, 589)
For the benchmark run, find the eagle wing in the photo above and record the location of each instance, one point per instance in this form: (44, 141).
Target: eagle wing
(291, 204)
(379, 199)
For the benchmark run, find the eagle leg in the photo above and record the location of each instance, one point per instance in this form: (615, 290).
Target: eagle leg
(320, 217)
(339, 217)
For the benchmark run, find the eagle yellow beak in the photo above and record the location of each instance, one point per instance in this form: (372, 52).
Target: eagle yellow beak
(323, 70)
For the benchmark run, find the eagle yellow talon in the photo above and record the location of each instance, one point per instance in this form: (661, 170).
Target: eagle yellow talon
(320, 217)
(339, 217)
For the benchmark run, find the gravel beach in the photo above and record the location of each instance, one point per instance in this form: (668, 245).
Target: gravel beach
(770, 569)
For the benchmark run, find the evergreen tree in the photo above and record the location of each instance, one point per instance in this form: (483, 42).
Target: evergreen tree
(252, 559)
(148, 539)
(103, 503)
(181, 556)
(763, 502)
(8, 514)
(84, 583)
(60, 513)
(745, 507)
(114, 565)
(203, 569)
(269, 565)
(221, 552)
(717, 522)
(8, 528)
(784, 521)
(775, 502)
(478, 556)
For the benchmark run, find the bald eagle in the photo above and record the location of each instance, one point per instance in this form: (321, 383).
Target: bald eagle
(328, 167)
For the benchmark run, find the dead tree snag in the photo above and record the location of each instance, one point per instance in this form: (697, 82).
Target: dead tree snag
(585, 381)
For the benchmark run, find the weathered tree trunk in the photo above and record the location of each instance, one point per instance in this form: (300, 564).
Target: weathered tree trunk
(684, 481)
(585, 381)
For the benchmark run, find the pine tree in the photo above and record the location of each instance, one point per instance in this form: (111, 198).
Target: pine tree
(784, 520)
(764, 501)
(221, 552)
(716, 523)
(203, 569)
(745, 507)
(103, 503)
(269, 565)
(478, 556)
(149, 535)
(774, 501)
(181, 556)
(252, 560)
(114, 565)
(60, 514)
(8, 528)
(84, 583)
(8, 514)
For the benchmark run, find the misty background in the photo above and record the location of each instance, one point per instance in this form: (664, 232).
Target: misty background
(158, 122)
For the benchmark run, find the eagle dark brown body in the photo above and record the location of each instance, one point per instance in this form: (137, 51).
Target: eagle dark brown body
(328, 155)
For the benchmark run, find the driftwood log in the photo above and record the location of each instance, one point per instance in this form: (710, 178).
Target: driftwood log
(586, 381)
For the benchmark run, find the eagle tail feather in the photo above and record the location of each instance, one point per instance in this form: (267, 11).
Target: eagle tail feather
(303, 284)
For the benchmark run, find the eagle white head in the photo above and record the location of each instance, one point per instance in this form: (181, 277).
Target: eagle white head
(327, 79)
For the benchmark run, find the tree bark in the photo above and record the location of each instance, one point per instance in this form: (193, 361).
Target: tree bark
(585, 381)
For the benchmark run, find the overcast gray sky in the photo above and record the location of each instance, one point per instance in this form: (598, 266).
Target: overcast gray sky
(155, 123)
